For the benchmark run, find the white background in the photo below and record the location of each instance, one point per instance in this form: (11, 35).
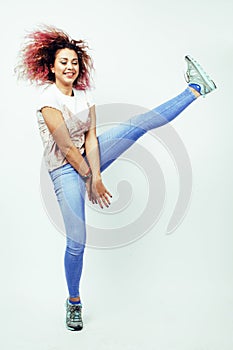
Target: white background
(161, 292)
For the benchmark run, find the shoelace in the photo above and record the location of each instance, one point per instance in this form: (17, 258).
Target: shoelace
(75, 312)
(199, 67)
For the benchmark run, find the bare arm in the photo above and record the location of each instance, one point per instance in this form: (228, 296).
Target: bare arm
(57, 127)
(99, 193)
(92, 147)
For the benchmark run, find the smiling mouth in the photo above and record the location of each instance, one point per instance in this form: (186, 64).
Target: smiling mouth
(69, 75)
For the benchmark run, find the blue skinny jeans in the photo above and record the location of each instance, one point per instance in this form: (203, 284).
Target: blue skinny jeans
(70, 189)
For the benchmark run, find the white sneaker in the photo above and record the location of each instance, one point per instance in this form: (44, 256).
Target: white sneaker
(73, 316)
(197, 78)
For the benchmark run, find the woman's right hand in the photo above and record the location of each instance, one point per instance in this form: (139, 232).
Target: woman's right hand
(97, 192)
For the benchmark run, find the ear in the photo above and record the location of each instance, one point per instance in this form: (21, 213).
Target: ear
(52, 69)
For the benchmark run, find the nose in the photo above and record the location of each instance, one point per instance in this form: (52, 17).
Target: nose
(69, 65)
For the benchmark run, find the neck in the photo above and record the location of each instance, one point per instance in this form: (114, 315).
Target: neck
(66, 90)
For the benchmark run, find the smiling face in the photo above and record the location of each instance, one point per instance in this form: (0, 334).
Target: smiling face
(65, 68)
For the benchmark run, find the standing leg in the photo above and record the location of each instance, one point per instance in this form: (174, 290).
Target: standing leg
(70, 192)
(113, 142)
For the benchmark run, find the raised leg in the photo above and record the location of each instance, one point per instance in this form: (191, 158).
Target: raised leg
(113, 142)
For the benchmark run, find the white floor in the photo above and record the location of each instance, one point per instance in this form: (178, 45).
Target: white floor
(192, 321)
(162, 292)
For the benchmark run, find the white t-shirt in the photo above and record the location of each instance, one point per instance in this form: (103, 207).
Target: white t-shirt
(75, 111)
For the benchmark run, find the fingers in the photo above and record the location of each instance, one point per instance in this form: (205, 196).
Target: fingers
(100, 195)
(102, 200)
(108, 193)
(94, 200)
(105, 200)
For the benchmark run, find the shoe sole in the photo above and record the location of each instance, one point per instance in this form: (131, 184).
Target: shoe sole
(202, 73)
(74, 329)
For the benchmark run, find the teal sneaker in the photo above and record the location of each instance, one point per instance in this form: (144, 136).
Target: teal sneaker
(197, 78)
(73, 316)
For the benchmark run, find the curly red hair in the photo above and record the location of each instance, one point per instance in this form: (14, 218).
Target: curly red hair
(38, 55)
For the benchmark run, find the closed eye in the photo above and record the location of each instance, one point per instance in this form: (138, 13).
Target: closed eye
(75, 63)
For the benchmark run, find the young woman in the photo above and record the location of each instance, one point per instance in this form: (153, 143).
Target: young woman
(75, 157)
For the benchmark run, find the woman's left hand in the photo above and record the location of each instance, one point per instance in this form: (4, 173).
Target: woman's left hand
(99, 193)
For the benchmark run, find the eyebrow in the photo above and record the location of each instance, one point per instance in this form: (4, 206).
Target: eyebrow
(65, 58)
